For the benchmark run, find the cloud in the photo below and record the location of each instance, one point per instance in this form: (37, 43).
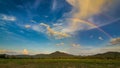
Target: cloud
(75, 45)
(7, 18)
(82, 10)
(75, 24)
(10, 52)
(53, 33)
(76, 19)
(27, 26)
(100, 38)
(38, 28)
(86, 8)
(54, 5)
(25, 51)
(60, 44)
(115, 41)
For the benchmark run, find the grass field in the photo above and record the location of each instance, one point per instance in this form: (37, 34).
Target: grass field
(59, 63)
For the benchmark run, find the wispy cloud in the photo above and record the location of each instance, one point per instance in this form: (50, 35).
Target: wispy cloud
(54, 5)
(11, 52)
(60, 44)
(7, 17)
(76, 45)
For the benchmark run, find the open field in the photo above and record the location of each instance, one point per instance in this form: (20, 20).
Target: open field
(59, 63)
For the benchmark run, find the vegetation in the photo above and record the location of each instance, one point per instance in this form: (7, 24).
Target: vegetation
(60, 60)
(59, 63)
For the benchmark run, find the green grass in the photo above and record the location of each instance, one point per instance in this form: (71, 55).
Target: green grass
(59, 63)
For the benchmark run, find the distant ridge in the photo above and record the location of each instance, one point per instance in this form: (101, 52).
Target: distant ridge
(109, 55)
(60, 55)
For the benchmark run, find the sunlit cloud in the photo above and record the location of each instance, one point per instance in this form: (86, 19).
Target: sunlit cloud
(56, 34)
(25, 51)
(85, 8)
(7, 18)
(82, 10)
(115, 41)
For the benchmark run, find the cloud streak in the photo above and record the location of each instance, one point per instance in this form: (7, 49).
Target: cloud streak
(10, 52)
(60, 44)
(7, 18)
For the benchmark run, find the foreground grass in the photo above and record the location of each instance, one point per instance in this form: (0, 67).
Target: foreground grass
(59, 63)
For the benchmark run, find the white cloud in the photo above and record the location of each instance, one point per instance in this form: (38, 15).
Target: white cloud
(38, 28)
(7, 18)
(100, 38)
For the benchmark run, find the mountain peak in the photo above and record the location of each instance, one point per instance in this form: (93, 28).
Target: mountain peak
(58, 53)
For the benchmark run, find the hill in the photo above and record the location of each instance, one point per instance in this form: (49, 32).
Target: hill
(109, 55)
(62, 55)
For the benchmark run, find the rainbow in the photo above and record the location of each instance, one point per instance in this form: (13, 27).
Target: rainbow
(91, 24)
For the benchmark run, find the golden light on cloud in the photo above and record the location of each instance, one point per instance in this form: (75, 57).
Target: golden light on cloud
(25, 51)
(86, 8)
(56, 34)
(83, 9)
(115, 41)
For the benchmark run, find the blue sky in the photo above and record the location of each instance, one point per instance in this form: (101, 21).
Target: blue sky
(44, 26)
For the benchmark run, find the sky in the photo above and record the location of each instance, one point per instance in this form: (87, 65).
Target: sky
(78, 27)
